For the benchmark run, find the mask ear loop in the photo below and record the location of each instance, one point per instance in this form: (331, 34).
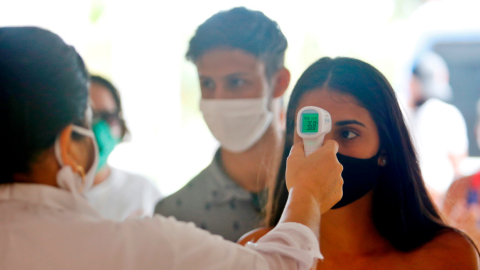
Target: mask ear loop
(81, 170)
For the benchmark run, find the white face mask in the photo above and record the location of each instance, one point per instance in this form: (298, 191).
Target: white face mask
(66, 178)
(237, 123)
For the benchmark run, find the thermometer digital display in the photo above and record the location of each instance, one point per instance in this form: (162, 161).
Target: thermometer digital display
(310, 122)
(313, 123)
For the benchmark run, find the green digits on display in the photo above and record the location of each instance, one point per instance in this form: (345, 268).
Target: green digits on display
(310, 123)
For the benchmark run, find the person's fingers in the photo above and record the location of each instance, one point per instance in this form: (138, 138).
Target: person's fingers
(330, 147)
(297, 150)
(331, 144)
(319, 172)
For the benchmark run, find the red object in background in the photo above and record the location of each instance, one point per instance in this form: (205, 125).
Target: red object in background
(475, 184)
(472, 196)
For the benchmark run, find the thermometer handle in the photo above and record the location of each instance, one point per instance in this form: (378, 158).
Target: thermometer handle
(311, 145)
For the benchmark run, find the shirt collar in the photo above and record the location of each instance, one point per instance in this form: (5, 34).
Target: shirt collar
(48, 196)
(224, 188)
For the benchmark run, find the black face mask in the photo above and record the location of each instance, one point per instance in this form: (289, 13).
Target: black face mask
(359, 177)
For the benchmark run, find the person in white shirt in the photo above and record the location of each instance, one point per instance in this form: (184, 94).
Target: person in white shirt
(438, 128)
(50, 160)
(116, 194)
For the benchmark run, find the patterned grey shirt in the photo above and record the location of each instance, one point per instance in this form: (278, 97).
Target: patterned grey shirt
(214, 202)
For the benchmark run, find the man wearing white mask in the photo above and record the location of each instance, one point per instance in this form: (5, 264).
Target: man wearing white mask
(239, 55)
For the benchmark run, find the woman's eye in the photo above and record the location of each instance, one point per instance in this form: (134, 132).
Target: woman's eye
(346, 134)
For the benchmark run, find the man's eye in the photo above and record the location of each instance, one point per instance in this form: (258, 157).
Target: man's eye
(208, 84)
(236, 82)
(346, 134)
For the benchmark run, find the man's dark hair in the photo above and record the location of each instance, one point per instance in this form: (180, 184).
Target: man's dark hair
(241, 28)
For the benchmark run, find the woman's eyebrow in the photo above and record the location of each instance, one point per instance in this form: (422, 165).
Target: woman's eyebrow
(349, 122)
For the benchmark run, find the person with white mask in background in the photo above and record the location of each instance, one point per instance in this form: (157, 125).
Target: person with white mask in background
(239, 55)
(50, 158)
(116, 194)
(439, 152)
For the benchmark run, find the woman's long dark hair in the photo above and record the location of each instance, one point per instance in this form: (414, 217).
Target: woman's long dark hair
(403, 213)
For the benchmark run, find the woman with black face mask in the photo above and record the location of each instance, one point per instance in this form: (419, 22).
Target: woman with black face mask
(385, 219)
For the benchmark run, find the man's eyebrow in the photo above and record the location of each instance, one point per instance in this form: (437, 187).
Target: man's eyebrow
(349, 122)
(236, 74)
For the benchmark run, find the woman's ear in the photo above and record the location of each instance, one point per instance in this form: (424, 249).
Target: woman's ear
(382, 159)
(282, 80)
(66, 148)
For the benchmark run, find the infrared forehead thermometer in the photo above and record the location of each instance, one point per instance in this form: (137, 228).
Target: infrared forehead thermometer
(313, 123)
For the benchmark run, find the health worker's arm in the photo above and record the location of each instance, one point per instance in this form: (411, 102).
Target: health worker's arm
(315, 185)
(184, 246)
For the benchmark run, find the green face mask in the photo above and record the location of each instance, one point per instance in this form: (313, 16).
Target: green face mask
(106, 142)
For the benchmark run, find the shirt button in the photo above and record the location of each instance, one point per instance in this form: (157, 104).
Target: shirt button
(236, 225)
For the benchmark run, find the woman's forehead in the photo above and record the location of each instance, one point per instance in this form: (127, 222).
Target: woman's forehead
(340, 106)
(101, 98)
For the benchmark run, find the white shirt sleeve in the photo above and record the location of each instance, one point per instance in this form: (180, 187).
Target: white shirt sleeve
(458, 141)
(288, 246)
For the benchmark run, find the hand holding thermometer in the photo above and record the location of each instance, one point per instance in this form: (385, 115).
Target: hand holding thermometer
(313, 124)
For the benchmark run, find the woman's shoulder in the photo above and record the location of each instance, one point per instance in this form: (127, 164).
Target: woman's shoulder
(253, 236)
(451, 249)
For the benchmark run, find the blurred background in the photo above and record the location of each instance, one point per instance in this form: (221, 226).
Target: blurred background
(140, 45)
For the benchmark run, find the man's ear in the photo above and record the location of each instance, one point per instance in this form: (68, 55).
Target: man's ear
(281, 82)
(66, 148)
